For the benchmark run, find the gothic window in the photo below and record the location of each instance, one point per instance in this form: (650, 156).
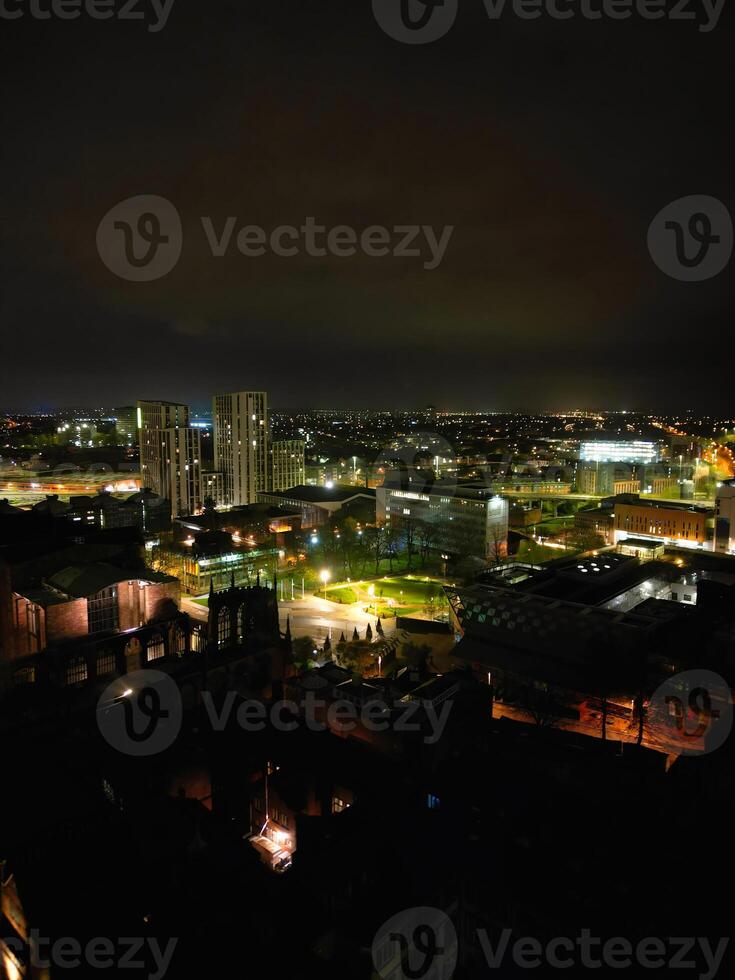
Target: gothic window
(180, 640)
(223, 627)
(26, 675)
(197, 640)
(102, 611)
(155, 649)
(106, 663)
(76, 671)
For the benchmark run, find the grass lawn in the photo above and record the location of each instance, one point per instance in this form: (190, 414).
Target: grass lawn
(410, 595)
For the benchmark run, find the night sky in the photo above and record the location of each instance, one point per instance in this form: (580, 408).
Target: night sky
(549, 146)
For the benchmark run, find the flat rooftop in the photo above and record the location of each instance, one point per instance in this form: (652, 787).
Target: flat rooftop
(320, 495)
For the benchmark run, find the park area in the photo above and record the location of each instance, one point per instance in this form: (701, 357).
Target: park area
(407, 595)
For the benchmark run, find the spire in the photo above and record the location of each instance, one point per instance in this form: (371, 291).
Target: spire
(232, 579)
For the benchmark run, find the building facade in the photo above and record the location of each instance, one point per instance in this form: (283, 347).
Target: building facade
(241, 446)
(725, 517)
(288, 458)
(636, 518)
(468, 520)
(170, 455)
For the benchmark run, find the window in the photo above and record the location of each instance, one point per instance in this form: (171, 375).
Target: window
(26, 675)
(433, 802)
(339, 805)
(106, 663)
(223, 627)
(155, 649)
(197, 640)
(76, 671)
(180, 640)
(34, 628)
(102, 611)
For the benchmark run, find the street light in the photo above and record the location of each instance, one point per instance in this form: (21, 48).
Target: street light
(324, 576)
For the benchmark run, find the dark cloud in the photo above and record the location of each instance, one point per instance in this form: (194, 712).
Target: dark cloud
(549, 146)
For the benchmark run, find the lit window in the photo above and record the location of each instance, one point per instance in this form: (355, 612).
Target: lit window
(433, 802)
(106, 664)
(76, 671)
(155, 649)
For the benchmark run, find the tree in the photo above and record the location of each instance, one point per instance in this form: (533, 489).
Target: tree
(376, 544)
(409, 528)
(498, 544)
(427, 535)
(303, 650)
(393, 536)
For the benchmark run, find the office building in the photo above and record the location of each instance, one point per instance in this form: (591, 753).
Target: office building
(317, 505)
(241, 446)
(681, 524)
(170, 455)
(126, 425)
(619, 451)
(468, 519)
(288, 464)
(725, 517)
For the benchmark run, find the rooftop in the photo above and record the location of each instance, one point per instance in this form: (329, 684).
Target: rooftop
(321, 495)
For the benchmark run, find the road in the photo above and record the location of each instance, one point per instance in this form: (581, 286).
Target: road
(312, 616)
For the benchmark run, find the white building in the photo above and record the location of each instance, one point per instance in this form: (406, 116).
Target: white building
(288, 464)
(241, 446)
(619, 451)
(170, 455)
(725, 517)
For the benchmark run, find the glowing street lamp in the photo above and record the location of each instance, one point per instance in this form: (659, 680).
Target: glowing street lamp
(324, 576)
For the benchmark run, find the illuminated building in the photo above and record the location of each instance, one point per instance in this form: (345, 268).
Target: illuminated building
(126, 425)
(725, 517)
(468, 519)
(241, 446)
(318, 504)
(170, 454)
(668, 522)
(619, 451)
(288, 464)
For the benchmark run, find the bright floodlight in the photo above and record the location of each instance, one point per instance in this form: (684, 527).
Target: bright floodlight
(324, 576)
